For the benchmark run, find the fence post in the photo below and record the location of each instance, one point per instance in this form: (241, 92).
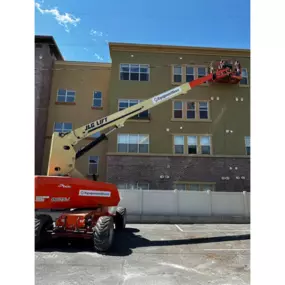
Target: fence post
(246, 213)
(141, 207)
(177, 201)
(209, 193)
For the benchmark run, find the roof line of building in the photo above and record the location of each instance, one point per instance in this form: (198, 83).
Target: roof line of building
(84, 63)
(41, 39)
(116, 46)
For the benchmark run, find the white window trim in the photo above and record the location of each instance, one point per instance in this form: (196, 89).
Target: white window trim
(97, 163)
(62, 123)
(139, 64)
(128, 143)
(200, 184)
(101, 99)
(198, 145)
(137, 186)
(184, 72)
(197, 110)
(128, 100)
(65, 96)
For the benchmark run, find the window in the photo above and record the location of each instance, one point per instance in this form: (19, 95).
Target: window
(97, 99)
(177, 74)
(133, 186)
(191, 110)
(244, 74)
(247, 145)
(205, 144)
(203, 110)
(133, 143)
(201, 72)
(195, 186)
(65, 96)
(192, 144)
(134, 72)
(62, 127)
(93, 163)
(188, 110)
(187, 73)
(196, 144)
(179, 144)
(190, 74)
(125, 103)
(178, 109)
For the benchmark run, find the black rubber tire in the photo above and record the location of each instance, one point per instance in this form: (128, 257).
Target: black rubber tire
(103, 234)
(42, 223)
(121, 218)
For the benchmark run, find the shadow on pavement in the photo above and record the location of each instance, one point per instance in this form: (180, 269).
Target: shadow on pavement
(128, 240)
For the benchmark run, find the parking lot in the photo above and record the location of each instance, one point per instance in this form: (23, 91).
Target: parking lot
(153, 254)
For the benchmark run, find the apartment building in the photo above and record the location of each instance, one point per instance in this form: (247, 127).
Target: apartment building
(79, 96)
(46, 53)
(197, 141)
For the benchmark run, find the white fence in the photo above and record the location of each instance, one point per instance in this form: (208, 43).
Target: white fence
(191, 206)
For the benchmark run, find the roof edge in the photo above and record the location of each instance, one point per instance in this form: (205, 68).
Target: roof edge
(115, 46)
(52, 44)
(84, 63)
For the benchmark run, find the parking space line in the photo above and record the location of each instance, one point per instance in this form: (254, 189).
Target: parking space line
(179, 228)
(226, 249)
(215, 231)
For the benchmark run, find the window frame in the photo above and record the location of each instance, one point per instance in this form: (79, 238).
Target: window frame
(133, 153)
(63, 128)
(138, 118)
(137, 186)
(93, 99)
(188, 183)
(97, 163)
(184, 73)
(65, 96)
(197, 110)
(247, 138)
(132, 64)
(198, 147)
(247, 78)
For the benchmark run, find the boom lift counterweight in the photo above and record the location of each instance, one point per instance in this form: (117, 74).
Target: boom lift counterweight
(95, 204)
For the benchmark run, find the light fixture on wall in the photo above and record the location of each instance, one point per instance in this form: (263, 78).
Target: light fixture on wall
(132, 55)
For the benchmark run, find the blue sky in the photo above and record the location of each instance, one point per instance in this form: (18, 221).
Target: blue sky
(82, 29)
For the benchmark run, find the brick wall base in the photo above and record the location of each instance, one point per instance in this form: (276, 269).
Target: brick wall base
(148, 169)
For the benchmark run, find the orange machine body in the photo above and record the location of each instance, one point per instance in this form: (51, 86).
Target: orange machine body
(82, 202)
(59, 192)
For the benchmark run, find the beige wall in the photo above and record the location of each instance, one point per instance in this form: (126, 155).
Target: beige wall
(84, 78)
(225, 113)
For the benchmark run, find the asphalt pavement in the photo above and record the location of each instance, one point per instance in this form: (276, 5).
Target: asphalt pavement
(153, 254)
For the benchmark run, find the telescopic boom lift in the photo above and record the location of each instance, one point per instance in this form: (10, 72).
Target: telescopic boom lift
(91, 207)
(63, 155)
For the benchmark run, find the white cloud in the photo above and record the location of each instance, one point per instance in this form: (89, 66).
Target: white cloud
(86, 49)
(98, 56)
(96, 33)
(64, 20)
